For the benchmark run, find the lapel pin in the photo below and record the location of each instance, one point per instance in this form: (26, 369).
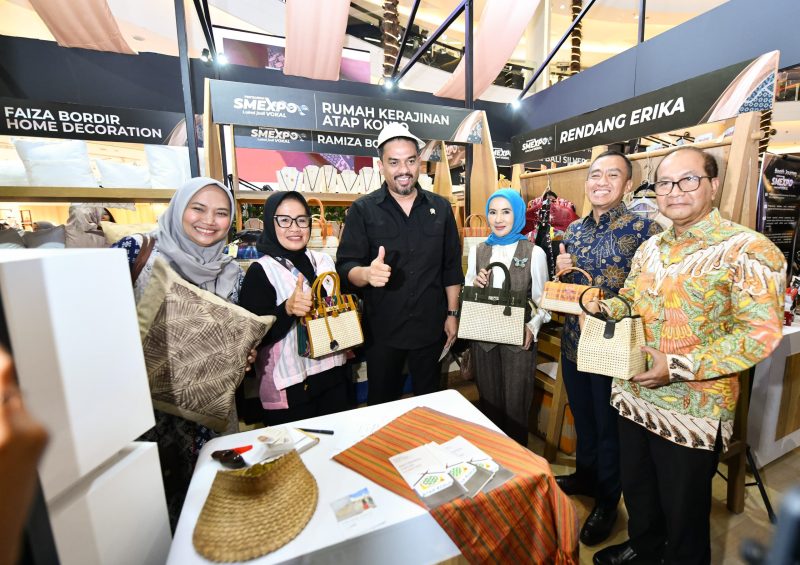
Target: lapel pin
(433, 211)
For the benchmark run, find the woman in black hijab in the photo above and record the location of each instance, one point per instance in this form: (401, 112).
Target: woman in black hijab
(292, 387)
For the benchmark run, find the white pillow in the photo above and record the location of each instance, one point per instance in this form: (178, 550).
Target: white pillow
(59, 150)
(12, 173)
(122, 175)
(65, 172)
(169, 165)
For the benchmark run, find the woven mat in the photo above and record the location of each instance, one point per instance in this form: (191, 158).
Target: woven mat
(527, 520)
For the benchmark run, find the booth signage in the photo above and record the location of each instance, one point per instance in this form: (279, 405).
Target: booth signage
(75, 121)
(704, 98)
(502, 154)
(305, 141)
(780, 186)
(290, 108)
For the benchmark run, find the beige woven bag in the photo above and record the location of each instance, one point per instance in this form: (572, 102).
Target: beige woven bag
(333, 324)
(611, 347)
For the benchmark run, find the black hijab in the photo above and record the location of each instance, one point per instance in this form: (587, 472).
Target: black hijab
(268, 242)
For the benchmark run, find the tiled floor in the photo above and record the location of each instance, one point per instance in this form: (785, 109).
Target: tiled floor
(728, 530)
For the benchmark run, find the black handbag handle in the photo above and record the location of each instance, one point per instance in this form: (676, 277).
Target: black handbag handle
(507, 281)
(611, 297)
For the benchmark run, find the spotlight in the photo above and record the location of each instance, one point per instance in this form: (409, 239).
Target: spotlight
(388, 84)
(515, 104)
(222, 59)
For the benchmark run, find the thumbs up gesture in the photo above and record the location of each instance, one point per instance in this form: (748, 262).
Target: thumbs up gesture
(379, 272)
(564, 259)
(299, 303)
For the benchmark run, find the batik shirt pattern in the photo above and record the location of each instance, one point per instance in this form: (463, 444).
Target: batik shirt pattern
(712, 300)
(603, 249)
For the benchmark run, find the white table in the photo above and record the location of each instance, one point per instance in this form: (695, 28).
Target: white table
(408, 535)
(765, 402)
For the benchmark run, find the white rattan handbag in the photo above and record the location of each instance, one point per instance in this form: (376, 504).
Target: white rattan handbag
(495, 315)
(611, 347)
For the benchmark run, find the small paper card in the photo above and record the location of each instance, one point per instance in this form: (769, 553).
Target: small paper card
(357, 512)
(427, 475)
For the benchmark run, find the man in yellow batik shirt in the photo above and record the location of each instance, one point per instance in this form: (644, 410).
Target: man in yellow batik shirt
(710, 294)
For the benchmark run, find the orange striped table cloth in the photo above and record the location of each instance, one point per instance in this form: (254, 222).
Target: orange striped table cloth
(526, 520)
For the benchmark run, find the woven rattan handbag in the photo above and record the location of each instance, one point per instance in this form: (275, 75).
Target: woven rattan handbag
(492, 314)
(563, 297)
(611, 347)
(473, 235)
(333, 324)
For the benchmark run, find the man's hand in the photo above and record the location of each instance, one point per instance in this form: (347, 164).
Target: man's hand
(378, 272)
(658, 375)
(251, 358)
(563, 259)
(299, 303)
(481, 279)
(450, 329)
(526, 344)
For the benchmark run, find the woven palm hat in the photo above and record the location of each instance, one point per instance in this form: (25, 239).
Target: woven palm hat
(254, 511)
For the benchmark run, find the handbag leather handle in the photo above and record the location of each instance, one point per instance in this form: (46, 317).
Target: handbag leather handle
(468, 224)
(310, 200)
(507, 281)
(568, 269)
(316, 288)
(613, 295)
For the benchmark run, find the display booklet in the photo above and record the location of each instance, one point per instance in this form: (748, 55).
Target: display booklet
(278, 441)
(427, 475)
(463, 450)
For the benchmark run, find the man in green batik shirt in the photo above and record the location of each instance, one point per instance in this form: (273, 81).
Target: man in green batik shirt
(710, 294)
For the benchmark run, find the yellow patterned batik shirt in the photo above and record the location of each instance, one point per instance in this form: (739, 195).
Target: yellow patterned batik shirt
(712, 300)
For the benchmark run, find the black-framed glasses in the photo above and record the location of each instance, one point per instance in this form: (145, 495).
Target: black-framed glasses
(286, 221)
(686, 184)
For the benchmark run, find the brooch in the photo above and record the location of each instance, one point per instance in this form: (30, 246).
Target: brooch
(433, 211)
(519, 262)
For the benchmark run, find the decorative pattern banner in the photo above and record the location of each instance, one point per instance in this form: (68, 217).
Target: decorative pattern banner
(74, 121)
(718, 95)
(289, 108)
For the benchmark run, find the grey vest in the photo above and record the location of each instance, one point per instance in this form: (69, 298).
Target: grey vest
(520, 276)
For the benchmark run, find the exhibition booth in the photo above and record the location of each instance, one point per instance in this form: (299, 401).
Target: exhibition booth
(341, 487)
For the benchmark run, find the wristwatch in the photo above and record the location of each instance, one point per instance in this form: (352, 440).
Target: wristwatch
(454, 313)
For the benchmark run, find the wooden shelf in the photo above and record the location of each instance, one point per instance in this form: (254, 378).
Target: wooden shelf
(327, 198)
(82, 194)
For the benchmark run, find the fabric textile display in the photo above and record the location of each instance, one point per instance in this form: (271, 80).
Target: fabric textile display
(473, 235)
(526, 520)
(563, 297)
(496, 315)
(611, 347)
(332, 325)
(255, 511)
(195, 347)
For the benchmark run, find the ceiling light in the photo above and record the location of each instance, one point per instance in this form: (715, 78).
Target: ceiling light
(388, 84)
(562, 6)
(372, 39)
(515, 104)
(222, 59)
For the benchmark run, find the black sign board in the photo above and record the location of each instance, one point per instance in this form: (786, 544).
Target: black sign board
(780, 186)
(75, 121)
(502, 154)
(305, 141)
(289, 108)
(680, 105)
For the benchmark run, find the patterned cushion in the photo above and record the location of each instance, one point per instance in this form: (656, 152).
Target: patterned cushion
(195, 347)
(114, 231)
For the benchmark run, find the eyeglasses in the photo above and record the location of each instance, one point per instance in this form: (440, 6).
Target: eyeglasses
(286, 221)
(686, 184)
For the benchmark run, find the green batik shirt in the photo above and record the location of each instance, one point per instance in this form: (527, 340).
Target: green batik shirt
(712, 300)
(605, 251)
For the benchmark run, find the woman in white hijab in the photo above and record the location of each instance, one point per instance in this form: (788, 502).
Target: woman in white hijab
(191, 235)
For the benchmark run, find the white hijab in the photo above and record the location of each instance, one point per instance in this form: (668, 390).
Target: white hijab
(205, 267)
